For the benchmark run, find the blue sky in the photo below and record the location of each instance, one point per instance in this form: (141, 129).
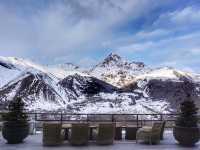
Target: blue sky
(159, 33)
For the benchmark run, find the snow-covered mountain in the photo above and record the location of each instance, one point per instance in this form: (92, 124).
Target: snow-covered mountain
(112, 86)
(10, 68)
(20, 64)
(34, 88)
(7, 74)
(59, 71)
(86, 85)
(118, 72)
(166, 84)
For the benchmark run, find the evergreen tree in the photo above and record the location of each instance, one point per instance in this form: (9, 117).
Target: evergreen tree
(188, 114)
(16, 114)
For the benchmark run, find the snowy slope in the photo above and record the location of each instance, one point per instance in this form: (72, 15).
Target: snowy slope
(165, 73)
(7, 75)
(22, 64)
(166, 84)
(119, 103)
(60, 71)
(86, 85)
(34, 88)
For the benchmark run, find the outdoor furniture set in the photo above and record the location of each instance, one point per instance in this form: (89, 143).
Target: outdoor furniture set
(103, 133)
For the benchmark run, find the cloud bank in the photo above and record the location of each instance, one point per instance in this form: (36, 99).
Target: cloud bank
(83, 32)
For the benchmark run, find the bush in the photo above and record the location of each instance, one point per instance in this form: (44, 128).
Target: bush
(16, 114)
(188, 114)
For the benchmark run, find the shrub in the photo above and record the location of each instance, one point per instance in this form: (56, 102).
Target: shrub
(16, 114)
(188, 114)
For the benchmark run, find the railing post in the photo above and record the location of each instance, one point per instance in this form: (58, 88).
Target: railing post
(35, 114)
(87, 118)
(112, 118)
(61, 118)
(137, 120)
(35, 123)
(161, 117)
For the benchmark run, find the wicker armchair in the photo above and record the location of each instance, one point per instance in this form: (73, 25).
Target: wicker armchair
(52, 135)
(152, 134)
(105, 134)
(79, 134)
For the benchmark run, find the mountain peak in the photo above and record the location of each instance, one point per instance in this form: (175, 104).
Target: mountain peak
(112, 58)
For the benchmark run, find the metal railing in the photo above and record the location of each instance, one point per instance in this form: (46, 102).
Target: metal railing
(136, 119)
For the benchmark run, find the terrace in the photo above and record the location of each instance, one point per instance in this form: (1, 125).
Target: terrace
(34, 142)
(138, 120)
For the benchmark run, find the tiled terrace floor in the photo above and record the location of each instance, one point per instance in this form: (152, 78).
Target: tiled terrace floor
(34, 142)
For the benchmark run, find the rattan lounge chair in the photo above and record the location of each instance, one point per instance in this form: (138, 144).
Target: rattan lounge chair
(52, 135)
(79, 134)
(151, 135)
(105, 134)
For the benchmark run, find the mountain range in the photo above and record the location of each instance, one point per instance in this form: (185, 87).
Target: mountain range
(112, 86)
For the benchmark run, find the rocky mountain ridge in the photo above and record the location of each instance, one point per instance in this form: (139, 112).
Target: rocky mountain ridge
(117, 71)
(112, 86)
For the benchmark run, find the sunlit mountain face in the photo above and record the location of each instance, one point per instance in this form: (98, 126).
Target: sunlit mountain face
(112, 86)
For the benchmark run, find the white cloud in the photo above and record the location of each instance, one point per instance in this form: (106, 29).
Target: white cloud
(87, 62)
(69, 31)
(155, 34)
(179, 18)
(181, 51)
(65, 27)
(136, 47)
(173, 39)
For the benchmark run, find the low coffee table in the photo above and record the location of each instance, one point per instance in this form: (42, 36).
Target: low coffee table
(131, 132)
(118, 132)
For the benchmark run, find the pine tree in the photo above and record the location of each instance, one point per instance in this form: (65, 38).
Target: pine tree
(188, 114)
(16, 114)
